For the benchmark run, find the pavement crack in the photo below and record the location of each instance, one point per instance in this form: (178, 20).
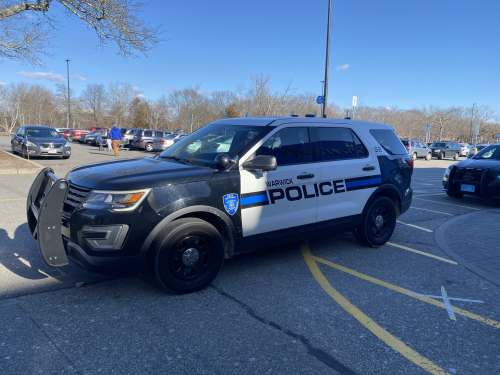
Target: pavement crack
(317, 353)
(48, 338)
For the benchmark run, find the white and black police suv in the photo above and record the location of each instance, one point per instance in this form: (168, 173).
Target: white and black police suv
(233, 186)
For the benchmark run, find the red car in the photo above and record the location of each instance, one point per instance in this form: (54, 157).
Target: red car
(75, 135)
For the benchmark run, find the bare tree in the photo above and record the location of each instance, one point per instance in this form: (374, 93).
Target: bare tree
(27, 28)
(94, 99)
(158, 114)
(121, 95)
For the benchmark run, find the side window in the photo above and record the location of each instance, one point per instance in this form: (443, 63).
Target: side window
(336, 143)
(159, 134)
(412, 144)
(361, 150)
(289, 146)
(148, 133)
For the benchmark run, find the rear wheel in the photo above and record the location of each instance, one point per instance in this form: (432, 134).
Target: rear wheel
(454, 194)
(187, 255)
(378, 224)
(149, 147)
(428, 156)
(457, 155)
(414, 156)
(441, 156)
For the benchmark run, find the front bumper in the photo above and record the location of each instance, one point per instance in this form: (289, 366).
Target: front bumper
(42, 151)
(485, 184)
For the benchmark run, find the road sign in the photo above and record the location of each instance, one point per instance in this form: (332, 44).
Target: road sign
(354, 101)
(69, 115)
(320, 99)
(423, 137)
(427, 128)
(498, 135)
(477, 129)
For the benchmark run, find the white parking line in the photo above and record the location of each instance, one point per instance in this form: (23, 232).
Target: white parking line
(415, 226)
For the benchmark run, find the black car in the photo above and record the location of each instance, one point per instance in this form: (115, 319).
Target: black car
(200, 201)
(478, 175)
(39, 141)
(443, 150)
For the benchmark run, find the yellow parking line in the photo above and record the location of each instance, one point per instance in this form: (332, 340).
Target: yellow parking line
(366, 321)
(438, 212)
(449, 204)
(398, 289)
(14, 199)
(415, 226)
(421, 253)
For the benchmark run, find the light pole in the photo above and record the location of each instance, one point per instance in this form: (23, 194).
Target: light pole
(325, 91)
(69, 105)
(472, 117)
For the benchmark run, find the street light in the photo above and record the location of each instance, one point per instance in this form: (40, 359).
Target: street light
(69, 105)
(325, 91)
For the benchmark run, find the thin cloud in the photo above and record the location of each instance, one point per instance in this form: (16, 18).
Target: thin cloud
(140, 96)
(135, 88)
(79, 77)
(342, 67)
(39, 75)
(168, 88)
(3, 84)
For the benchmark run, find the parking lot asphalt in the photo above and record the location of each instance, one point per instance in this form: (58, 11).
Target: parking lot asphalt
(325, 306)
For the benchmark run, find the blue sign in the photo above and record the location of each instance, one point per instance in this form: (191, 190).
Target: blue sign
(320, 99)
(69, 115)
(498, 135)
(230, 203)
(423, 137)
(471, 136)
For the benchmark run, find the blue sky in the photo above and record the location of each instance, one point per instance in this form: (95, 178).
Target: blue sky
(397, 52)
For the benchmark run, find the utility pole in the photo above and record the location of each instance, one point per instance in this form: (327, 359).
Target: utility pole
(440, 127)
(325, 93)
(472, 117)
(69, 105)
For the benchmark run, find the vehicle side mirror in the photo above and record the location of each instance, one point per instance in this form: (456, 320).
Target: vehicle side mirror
(262, 163)
(222, 161)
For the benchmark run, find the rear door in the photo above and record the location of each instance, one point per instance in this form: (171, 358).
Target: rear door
(349, 173)
(284, 198)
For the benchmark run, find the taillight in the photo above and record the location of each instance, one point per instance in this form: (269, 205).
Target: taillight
(162, 141)
(123, 135)
(217, 145)
(410, 163)
(140, 139)
(408, 147)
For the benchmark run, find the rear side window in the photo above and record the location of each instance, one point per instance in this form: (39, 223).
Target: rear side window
(289, 146)
(148, 133)
(361, 150)
(389, 141)
(123, 131)
(129, 132)
(159, 134)
(336, 143)
(138, 132)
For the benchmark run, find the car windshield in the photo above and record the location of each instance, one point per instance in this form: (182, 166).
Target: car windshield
(438, 144)
(170, 136)
(405, 143)
(201, 147)
(491, 152)
(42, 133)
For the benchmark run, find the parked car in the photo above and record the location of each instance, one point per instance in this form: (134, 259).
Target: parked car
(160, 144)
(66, 134)
(443, 150)
(127, 135)
(60, 130)
(143, 139)
(464, 149)
(179, 137)
(417, 149)
(478, 147)
(90, 138)
(76, 135)
(39, 141)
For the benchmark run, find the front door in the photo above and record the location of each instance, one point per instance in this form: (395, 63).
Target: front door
(284, 198)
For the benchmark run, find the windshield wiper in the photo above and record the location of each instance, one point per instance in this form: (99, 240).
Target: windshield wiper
(185, 161)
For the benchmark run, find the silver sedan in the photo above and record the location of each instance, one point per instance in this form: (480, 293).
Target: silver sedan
(161, 144)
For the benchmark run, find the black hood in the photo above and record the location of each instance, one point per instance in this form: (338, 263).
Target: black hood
(128, 174)
(492, 164)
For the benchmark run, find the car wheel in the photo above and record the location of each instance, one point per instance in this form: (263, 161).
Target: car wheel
(149, 147)
(414, 156)
(428, 156)
(456, 156)
(70, 139)
(24, 155)
(65, 157)
(13, 149)
(441, 156)
(187, 255)
(378, 224)
(454, 195)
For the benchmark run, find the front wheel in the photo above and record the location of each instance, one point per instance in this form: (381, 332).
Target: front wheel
(187, 255)
(149, 147)
(24, 155)
(70, 139)
(13, 149)
(414, 156)
(456, 156)
(428, 156)
(441, 156)
(454, 195)
(65, 157)
(378, 224)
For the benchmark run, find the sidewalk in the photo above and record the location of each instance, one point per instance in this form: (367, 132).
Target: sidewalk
(473, 240)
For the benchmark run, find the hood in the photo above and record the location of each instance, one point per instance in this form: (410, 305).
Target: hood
(493, 165)
(128, 174)
(39, 140)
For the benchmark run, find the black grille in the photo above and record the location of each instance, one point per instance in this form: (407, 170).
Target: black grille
(472, 175)
(54, 145)
(76, 195)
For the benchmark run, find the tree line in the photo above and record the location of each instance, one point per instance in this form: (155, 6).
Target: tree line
(119, 102)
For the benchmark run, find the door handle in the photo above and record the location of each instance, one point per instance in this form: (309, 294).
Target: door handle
(305, 176)
(369, 168)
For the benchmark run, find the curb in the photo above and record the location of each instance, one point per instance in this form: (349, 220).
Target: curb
(36, 168)
(440, 237)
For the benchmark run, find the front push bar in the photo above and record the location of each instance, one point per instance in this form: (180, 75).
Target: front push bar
(44, 211)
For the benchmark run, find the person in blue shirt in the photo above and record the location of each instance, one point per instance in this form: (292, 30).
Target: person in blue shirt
(115, 136)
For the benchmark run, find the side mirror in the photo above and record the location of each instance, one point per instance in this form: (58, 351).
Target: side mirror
(262, 163)
(222, 161)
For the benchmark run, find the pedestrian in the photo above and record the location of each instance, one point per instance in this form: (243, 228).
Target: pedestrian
(108, 139)
(115, 136)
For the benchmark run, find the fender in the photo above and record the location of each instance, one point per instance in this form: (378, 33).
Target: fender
(376, 192)
(184, 211)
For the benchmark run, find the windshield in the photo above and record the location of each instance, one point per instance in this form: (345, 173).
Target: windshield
(491, 152)
(42, 133)
(201, 147)
(170, 136)
(438, 144)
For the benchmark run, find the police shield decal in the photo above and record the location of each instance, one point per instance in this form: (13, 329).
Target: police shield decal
(230, 203)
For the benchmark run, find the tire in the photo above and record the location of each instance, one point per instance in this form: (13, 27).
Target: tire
(454, 195)
(441, 156)
(373, 231)
(428, 156)
(13, 149)
(414, 156)
(457, 155)
(149, 147)
(70, 139)
(173, 270)
(24, 155)
(65, 157)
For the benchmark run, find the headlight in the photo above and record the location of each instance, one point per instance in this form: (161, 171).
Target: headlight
(31, 144)
(115, 200)
(67, 144)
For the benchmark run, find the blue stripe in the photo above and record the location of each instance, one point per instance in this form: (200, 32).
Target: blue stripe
(254, 199)
(370, 181)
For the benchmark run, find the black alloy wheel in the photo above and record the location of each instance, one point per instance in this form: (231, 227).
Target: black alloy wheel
(187, 255)
(378, 223)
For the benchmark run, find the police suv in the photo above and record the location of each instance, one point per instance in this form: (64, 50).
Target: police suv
(233, 186)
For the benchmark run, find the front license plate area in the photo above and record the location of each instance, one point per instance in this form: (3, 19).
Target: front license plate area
(52, 152)
(468, 188)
